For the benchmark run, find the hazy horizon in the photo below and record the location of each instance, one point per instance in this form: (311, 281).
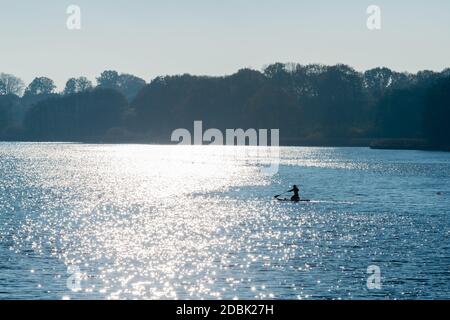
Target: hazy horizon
(215, 38)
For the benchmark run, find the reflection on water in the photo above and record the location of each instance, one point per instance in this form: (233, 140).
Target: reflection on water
(151, 222)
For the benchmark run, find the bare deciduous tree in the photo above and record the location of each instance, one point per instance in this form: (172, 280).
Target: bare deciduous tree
(10, 84)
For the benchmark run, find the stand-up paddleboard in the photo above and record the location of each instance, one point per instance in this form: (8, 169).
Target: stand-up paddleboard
(289, 200)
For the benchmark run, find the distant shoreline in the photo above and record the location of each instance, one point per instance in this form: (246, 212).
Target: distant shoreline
(311, 105)
(375, 144)
(406, 144)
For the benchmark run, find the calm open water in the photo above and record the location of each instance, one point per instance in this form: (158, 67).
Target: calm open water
(170, 222)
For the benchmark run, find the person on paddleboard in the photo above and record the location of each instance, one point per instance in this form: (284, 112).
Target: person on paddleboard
(296, 196)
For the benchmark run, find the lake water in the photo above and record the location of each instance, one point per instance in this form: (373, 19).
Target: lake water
(84, 221)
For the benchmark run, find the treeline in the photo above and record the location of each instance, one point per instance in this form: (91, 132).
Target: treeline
(81, 111)
(313, 104)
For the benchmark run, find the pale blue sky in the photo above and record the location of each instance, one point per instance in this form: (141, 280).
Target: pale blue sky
(211, 37)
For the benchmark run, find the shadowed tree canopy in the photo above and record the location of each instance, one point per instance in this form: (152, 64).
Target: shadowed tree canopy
(437, 113)
(40, 85)
(5, 112)
(9, 111)
(76, 117)
(3, 118)
(130, 85)
(177, 101)
(76, 85)
(377, 81)
(127, 84)
(399, 114)
(312, 104)
(108, 79)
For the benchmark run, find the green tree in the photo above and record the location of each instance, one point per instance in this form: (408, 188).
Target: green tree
(40, 86)
(437, 113)
(78, 116)
(377, 81)
(130, 85)
(108, 79)
(76, 85)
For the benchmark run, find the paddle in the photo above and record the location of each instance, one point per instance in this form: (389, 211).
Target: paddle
(281, 194)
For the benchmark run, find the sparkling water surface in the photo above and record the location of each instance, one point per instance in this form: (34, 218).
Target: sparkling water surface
(81, 221)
